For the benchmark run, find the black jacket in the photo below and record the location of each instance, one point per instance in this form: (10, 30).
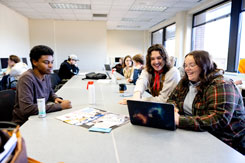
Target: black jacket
(67, 70)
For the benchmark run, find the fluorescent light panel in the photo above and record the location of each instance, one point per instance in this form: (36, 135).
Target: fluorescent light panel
(148, 8)
(70, 6)
(135, 20)
(127, 26)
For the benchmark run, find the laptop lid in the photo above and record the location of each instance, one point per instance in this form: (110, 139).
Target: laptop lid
(151, 114)
(107, 67)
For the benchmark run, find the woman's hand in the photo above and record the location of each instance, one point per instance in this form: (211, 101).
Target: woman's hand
(123, 101)
(176, 116)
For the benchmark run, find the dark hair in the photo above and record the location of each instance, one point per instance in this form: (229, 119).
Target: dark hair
(14, 58)
(138, 58)
(163, 53)
(128, 56)
(39, 50)
(207, 66)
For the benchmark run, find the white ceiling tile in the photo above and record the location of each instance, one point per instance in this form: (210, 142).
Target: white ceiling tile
(101, 2)
(116, 10)
(63, 11)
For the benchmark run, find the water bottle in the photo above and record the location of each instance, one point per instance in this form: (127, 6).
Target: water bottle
(113, 78)
(91, 93)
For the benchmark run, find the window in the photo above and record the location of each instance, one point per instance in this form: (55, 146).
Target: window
(170, 39)
(157, 37)
(242, 36)
(211, 30)
(166, 37)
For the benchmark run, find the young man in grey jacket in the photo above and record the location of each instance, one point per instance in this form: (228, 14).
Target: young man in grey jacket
(35, 84)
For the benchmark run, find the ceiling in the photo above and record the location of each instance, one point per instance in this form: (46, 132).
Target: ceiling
(118, 14)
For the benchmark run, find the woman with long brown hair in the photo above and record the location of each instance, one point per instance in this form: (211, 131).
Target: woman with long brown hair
(206, 101)
(159, 77)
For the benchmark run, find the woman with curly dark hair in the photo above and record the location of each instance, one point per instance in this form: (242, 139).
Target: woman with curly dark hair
(206, 101)
(159, 77)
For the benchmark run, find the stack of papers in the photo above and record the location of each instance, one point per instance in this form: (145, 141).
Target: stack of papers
(95, 119)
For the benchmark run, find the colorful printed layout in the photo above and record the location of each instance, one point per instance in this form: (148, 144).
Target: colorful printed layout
(89, 117)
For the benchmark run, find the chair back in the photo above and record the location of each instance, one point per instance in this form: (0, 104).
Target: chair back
(7, 101)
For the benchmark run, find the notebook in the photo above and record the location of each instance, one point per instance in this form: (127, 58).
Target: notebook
(151, 114)
(107, 67)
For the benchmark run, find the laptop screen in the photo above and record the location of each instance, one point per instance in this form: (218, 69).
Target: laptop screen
(4, 63)
(107, 67)
(157, 115)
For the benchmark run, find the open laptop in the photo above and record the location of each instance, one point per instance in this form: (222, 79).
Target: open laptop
(151, 114)
(107, 67)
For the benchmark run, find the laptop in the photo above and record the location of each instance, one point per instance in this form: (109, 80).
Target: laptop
(151, 114)
(107, 67)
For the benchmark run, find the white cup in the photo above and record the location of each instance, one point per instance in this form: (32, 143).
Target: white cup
(41, 107)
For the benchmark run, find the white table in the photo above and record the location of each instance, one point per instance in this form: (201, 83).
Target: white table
(50, 140)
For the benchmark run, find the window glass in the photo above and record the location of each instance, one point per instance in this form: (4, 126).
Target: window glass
(170, 39)
(213, 13)
(157, 37)
(214, 36)
(242, 38)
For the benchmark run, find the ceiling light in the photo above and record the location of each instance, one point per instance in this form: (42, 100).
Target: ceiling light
(127, 26)
(135, 20)
(100, 15)
(70, 6)
(148, 8)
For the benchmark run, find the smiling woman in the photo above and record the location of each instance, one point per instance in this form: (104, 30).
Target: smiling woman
(159, 77)
(206, 101)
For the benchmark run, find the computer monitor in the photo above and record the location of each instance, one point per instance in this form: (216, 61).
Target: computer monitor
(24, 60)
(117, 59)
(4, 63)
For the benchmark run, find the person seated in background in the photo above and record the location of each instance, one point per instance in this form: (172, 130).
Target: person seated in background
(35, 83)
(68, 68)
(138, 61)
(14, 70)
(158, 76)
(172, 61)
(127, 67)
(205, 101)
(119, 67)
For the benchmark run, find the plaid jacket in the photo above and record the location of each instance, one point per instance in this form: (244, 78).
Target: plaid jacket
(218, 108)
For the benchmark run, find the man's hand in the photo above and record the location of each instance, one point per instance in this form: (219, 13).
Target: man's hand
(66, 104)
(58, 100)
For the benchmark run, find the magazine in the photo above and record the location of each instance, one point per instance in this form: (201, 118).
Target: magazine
(94, 119)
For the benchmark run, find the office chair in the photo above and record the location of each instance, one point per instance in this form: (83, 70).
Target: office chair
(55, 82)
(56, 71)
(7, 104)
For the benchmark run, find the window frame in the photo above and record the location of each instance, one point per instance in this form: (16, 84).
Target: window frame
(163, 33)
(235, 27)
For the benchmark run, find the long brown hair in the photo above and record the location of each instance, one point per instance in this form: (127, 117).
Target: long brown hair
(163, 53)
(128, 56)
(207, 66)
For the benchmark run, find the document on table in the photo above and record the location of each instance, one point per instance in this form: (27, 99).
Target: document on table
(94, 119)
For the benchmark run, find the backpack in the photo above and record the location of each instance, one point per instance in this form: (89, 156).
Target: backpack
(95, 76)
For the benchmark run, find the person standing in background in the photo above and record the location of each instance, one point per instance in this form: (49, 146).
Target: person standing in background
(68, 68)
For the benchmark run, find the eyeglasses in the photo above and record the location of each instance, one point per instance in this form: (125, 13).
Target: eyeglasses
(192, 65)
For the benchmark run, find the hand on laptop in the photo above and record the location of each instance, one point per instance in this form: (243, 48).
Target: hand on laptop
(123, 101)
(176, 116)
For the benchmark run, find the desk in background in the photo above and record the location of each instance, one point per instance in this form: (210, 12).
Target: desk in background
(50, 140)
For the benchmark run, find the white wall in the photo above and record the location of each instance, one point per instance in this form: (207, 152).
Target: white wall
(86, 39)
(14, 34)
(121, 43)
